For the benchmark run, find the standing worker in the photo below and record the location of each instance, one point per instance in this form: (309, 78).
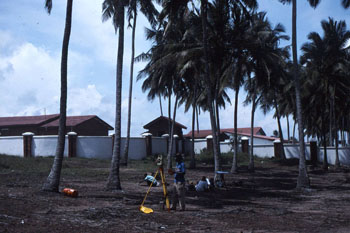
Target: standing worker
(179, 184)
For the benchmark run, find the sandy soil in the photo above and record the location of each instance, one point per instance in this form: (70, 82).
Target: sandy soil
(265, 201)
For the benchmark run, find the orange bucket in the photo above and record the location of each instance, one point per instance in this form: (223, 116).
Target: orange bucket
(70, 192)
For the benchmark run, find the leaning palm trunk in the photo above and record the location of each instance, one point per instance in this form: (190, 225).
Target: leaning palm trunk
(303, 178)
(113, 182)
(171, 136)
(53, 180)
(208, 89)
(235, 146)
(127, 140)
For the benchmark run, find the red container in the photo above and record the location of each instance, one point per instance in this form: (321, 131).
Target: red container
(70, 192)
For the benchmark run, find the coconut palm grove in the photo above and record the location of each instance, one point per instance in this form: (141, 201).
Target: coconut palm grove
(202, 50)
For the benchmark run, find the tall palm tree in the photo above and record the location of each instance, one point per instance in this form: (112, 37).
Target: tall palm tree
(325, 59)
(116, 10)
(149, 10)
(53, 180)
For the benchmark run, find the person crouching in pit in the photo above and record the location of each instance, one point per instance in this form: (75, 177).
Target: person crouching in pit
(178, 192)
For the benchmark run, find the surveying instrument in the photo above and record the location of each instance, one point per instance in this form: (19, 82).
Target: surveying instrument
(160, 170)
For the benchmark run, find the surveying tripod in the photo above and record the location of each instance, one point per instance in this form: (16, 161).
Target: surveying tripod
(160, 170)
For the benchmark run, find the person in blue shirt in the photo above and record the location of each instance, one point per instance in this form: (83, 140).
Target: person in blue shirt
(179, 184)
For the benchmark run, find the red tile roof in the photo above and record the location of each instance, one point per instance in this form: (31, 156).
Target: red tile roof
(26, 120)
(76, 120)
(47, 120)
(205, 133)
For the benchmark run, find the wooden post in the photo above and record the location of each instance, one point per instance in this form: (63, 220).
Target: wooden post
(72, 144)
(27, 144)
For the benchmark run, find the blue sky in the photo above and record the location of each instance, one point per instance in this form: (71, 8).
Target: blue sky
(30, 50)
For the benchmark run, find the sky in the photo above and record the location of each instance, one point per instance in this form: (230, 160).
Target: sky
(30, 53)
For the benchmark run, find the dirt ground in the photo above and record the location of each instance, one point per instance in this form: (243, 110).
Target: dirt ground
(265, 201)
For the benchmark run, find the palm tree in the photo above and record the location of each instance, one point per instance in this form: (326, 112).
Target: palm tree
(326, 59)
(148, 9)
(116, 10)
(53, 180)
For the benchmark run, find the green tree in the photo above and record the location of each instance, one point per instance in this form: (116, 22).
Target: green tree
(53, 180)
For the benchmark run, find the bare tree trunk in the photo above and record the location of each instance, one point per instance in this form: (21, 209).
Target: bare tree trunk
(160, 105)
(294, 132)
(127, 140)
(53, 180)
(193, 159)
(251, 154)
(197, 118)
(218, 125)
(235, 146)
(303, 178)
(171, 136)
(325, 157)
(113, 182)
(280, 130)
(288, 127)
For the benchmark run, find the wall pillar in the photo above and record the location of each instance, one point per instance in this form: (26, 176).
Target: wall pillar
(27, 144)
(277, 145)
(72, 144)
(313, 152)
(245, 144)
(176, 141)
(166, 136)
(209, 143)
(148, 143)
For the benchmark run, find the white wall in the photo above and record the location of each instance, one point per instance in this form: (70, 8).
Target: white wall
(94, 147)
(46, 146)
(344, 155)
(11, 145)
(159, 145)
(137, 148)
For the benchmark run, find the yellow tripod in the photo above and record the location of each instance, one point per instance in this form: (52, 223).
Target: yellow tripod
(147, 210)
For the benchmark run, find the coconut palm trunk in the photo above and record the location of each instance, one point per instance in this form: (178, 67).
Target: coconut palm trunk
(127, 140)
(113, 181)
(283, 156)
(53, 180)
(193, 159)
(208, 88)
(171, 136)
(303, 178)
(251, 151)
(235, 146)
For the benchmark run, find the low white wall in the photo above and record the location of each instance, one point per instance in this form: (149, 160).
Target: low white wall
(46, 146)
(137, 148)
(264, 151)
(94, 147)
(159, 145)
(11, 145)
(344, 155)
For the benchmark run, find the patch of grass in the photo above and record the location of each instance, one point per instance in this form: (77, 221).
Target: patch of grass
(81, 167)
